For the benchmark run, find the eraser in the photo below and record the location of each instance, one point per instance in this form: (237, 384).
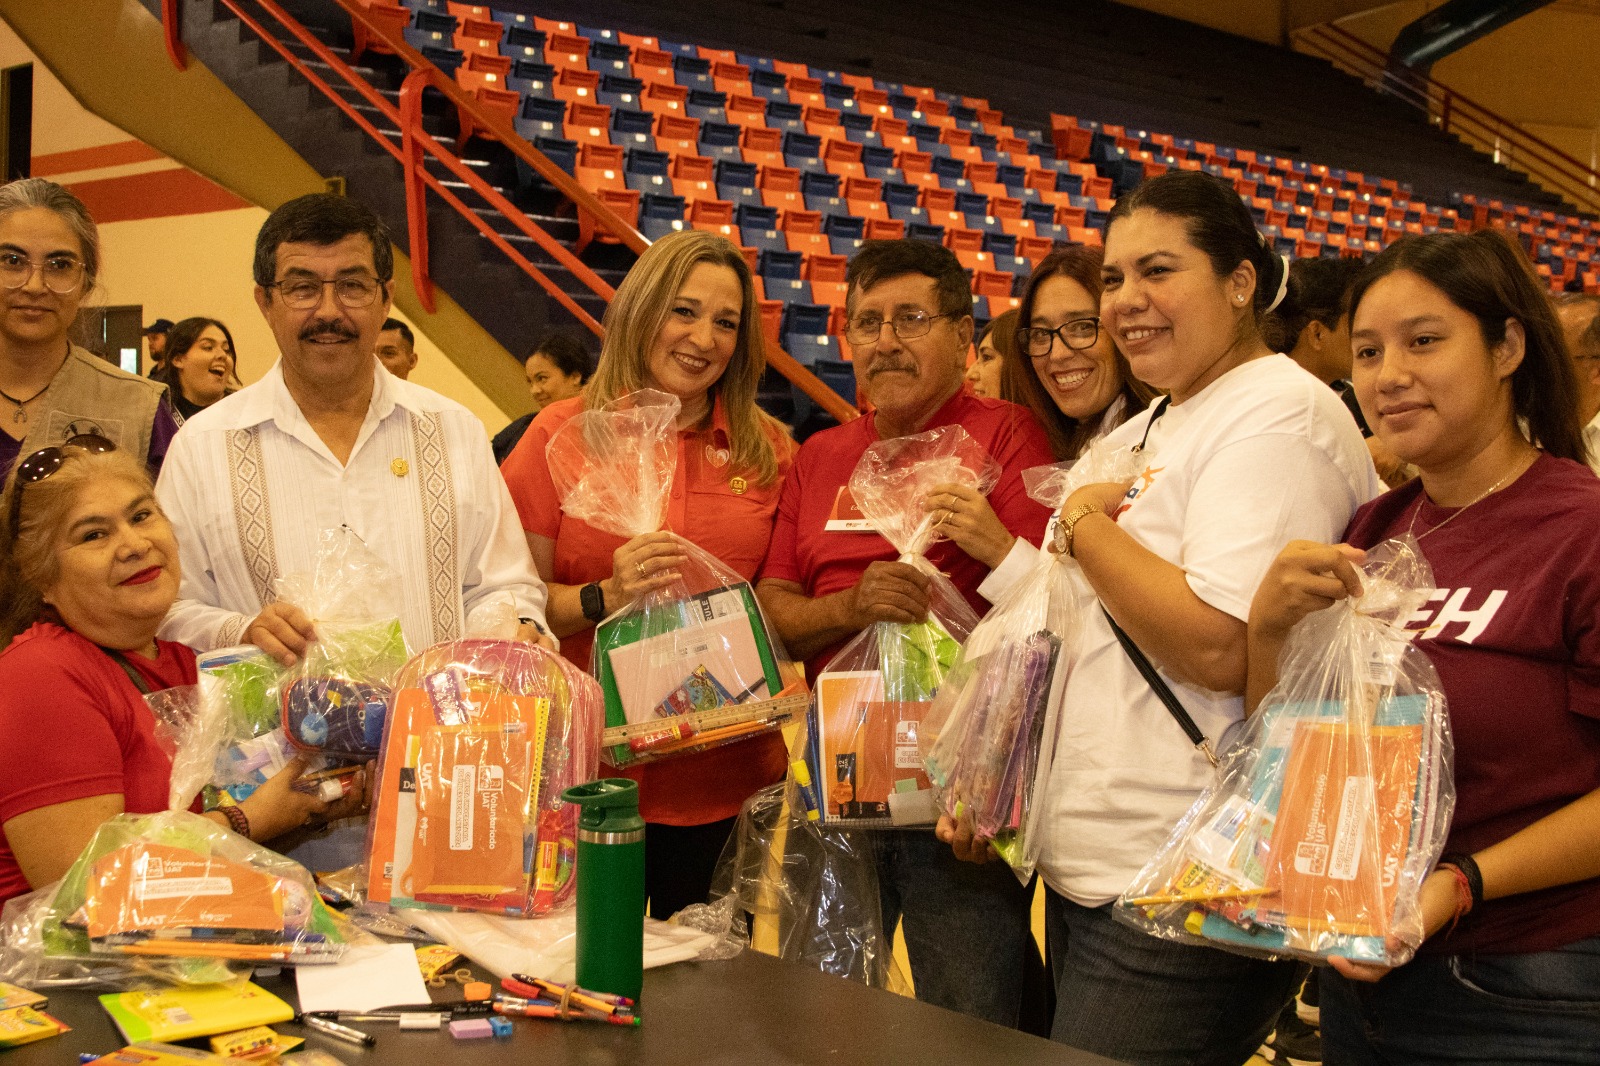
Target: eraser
(476, 990)
(420, 1020)
(501, 1026)
(471, 1029)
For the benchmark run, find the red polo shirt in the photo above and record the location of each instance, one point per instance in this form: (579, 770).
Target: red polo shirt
(821, 561)
(704, 508)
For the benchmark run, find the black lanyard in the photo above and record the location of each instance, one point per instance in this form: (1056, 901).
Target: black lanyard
(1161, 409)
(132, 671)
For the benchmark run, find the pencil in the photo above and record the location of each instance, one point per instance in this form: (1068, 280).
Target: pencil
(1198, 896)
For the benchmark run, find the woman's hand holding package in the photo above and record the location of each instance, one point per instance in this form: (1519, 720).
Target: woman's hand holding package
(962, 514)
(1305, 577)
(643, 565)
(1439, 898)
(967, 846)
(888, 592)
(277, 807)
(282, 630)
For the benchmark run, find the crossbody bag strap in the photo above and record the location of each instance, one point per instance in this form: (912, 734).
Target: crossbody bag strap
(1163, 691)
(128, 668)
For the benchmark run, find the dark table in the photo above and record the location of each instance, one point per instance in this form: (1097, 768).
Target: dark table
(752, 1009)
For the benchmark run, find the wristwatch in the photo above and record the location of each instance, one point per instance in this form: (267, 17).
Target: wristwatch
(1069, 523)
(593, 600)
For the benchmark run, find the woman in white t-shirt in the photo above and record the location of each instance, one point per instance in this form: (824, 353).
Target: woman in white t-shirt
(1244, 453)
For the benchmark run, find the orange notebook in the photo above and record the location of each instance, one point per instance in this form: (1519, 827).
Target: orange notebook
(1343, 829)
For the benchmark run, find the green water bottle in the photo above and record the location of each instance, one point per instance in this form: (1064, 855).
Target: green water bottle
(610, 886)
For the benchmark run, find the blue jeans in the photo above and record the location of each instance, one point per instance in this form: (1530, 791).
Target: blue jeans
(1541, 1007)
(966, 926)
(1130, 996)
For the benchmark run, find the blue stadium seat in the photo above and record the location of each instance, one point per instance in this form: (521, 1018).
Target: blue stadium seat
(562, 152)
(786, 290)
(780, 266)
(809, 348)
(758, 217)
(845, 246)
(852, 226)
(807, 319)
(762, 239)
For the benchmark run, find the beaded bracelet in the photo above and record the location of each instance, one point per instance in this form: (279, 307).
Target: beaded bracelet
(237, 819)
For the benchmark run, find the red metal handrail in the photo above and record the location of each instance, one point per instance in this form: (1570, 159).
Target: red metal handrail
(433, 148)
(585, 201)
(172, 33)
(1507, 141)
(415, 142)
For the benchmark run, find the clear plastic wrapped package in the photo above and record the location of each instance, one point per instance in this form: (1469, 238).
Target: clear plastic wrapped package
(239, 699)
(690, 666)
(989, 738)
(333, 702)
(1332, 806)
(802, 892)
(867, 706)
(483, 738)
(181, 891)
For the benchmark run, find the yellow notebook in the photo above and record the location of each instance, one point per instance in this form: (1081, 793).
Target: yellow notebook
(179, 1013)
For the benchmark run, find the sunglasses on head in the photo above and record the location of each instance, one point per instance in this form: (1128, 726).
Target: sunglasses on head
(46, 461)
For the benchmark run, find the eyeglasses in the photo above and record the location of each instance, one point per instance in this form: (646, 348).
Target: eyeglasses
(46, 461)
(907, 326)
(1078, 334)
(302, 294)
(61, 273)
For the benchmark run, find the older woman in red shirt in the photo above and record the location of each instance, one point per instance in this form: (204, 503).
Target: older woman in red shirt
(684, 322)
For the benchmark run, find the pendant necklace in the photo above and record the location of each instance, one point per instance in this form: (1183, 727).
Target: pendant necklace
(21, 414)
(1411, 527)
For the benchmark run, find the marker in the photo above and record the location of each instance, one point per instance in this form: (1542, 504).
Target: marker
(339, 1032)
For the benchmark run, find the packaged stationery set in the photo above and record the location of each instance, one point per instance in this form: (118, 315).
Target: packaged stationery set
(1333, 805)
(180, 890)
(867, 708)
(690, 666)
(249, 716)
(484, 737)
(989, 738)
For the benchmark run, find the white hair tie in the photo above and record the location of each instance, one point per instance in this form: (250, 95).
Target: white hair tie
(1283, 285)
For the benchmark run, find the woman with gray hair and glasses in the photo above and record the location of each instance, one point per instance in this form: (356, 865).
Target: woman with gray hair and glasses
(50, 388)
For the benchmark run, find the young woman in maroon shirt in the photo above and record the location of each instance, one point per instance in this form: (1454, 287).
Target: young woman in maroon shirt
(1461, 370)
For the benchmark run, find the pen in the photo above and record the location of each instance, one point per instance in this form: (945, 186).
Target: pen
(339, 1032)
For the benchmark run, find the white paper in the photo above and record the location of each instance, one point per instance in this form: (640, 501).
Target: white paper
(369, 976)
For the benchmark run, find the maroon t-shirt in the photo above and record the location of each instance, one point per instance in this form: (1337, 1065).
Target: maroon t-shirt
(823, 562)
(1514, 631)
(73, 725)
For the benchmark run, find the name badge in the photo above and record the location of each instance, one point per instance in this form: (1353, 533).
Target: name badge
(846, 517)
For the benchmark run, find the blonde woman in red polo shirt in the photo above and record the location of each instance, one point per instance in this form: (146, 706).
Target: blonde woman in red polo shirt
(684, 321)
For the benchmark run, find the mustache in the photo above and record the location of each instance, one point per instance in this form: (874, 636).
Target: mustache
(881, 365)
(328, 331)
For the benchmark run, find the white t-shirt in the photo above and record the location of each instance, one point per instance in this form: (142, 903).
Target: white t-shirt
(1264, 455)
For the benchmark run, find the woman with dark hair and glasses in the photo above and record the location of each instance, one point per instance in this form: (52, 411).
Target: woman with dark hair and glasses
(1462, 371)
(198, 365)
(1243, 452)
(88, 569)
(1066, 370)
(51, 389)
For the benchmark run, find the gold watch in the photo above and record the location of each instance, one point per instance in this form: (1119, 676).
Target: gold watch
(1069, 522)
